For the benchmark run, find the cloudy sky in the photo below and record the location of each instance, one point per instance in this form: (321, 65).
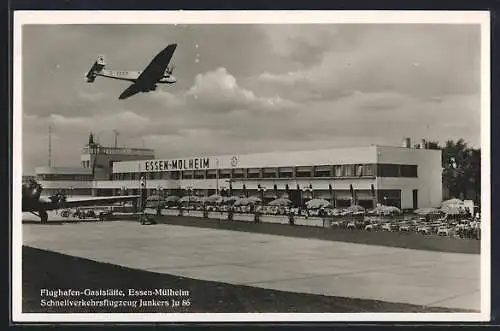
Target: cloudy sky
(251, 88)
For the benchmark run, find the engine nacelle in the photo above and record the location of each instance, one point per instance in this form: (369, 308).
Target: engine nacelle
(168, 72)
(32, 190)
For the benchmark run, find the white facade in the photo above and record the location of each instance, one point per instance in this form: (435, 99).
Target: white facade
(405, 177)
(257, 160)
(429, 177)
(422, 188)
(74, 180)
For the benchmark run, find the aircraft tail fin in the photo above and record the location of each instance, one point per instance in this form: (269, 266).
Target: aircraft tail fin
(98, 65)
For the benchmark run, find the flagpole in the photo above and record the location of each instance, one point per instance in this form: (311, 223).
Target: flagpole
(217, 176)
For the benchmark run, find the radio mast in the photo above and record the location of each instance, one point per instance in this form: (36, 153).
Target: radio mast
(116, 137)
(50, 145)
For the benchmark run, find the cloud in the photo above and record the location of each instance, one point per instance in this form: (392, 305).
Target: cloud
(425, 61)
(219, 91)
(277, 87)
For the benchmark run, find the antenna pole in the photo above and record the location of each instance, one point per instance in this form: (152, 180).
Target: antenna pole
(116, 137)
(50, 145)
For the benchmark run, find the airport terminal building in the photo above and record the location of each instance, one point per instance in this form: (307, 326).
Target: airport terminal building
(404, 177)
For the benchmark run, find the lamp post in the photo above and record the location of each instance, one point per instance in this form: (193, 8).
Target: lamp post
(261, 190)
(217, 176)
(71, 188)
(159, 192)
(307, 189)
(189, 190)
(158, 189)
(230, 183)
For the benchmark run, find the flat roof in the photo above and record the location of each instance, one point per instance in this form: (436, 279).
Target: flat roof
(331, 156)
(63, 171)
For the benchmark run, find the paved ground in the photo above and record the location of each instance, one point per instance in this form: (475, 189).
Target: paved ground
(42, 270)
(380, 238)
(272, 262)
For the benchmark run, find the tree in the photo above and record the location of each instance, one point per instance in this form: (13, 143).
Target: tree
(461, 169)
(431, 145)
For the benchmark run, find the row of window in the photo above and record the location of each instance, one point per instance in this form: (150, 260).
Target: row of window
(64, 177)
(339, 171)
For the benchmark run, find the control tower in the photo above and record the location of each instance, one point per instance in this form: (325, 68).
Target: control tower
(100, 158)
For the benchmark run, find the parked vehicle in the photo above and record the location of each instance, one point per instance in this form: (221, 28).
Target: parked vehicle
(387, 227)
(423, 229)
(443, 231)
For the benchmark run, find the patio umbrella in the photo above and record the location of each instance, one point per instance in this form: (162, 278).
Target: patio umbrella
(317, 203)
(337, 211)
(172, 198)
(254, 199)
(390, 209)
(202, 200)
(355, 208)
(241, 202)
(454, 201)
(189, 198)
(154, 197)
(231, 199)
(154, 203)
(280, 202)
(453, 209)
(248, 201)
(214, 198)
(427, 211)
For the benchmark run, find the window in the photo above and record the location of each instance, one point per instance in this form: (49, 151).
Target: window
(225, 173)
(285, 172)
(238, 175)
(187, 175)
(338, 171)
(368, 170)
(348, 170)
(388, 170)
(253, 173)
(409, 171)
(175, 174)
(199, 174)
(269, 172)
(211, 174)
(303, 172)
(322, 171)
(359, 170)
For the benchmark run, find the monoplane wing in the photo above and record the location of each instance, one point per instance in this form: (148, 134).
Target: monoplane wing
(83, 202)
(130, 91)
(156, 69)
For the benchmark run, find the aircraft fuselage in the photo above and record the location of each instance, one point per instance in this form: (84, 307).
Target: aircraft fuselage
(132, 76)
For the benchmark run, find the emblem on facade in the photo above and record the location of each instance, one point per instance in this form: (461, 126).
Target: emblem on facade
(234, 161)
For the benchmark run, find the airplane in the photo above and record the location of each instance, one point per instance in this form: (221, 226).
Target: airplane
(157, 72)
(33, 202)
